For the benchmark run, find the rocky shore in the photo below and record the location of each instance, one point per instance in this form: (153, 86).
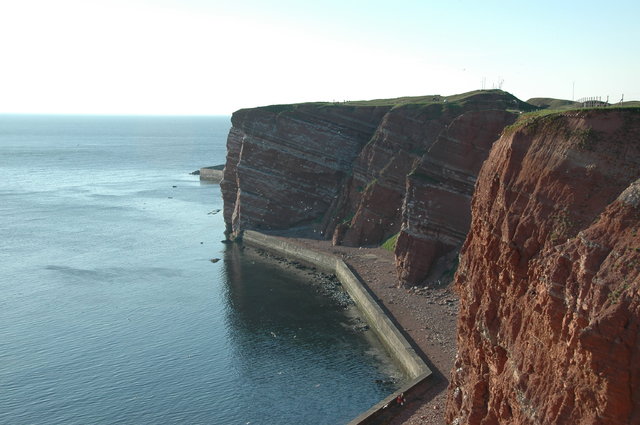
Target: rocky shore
(426, 315)
(326, 284)
(542, 209)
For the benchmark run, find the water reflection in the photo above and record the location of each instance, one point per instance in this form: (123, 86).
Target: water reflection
(292, 346)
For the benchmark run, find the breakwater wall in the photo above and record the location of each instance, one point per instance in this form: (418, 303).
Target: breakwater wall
(213, 173)
(390, 336)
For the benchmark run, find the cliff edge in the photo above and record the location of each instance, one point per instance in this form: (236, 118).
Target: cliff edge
(549, 276)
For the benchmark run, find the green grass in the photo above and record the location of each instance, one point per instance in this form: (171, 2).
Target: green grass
(408, 100)
(563, 104)
(390, 244)
(453, 102)
(551, 103)
(277, 109)
(428, 99)
(553, 116)
(530, 118)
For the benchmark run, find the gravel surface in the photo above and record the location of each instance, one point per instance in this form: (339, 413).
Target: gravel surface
(427, 316)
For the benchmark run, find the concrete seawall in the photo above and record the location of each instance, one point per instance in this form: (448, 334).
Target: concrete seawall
(213, 174)
(392, 339)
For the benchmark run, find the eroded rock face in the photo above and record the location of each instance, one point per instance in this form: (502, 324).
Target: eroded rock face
(374, 196)
(361, 174)
(436, 209)
(409, 137)
(286, 165)
(549, 277)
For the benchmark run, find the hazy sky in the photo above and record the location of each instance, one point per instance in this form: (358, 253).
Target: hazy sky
(216, 56)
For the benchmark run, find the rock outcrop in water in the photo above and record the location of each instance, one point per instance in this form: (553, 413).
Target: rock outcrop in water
(362, 172)
(549, 277)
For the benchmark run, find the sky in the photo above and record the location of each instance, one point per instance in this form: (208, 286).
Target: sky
(212, 57)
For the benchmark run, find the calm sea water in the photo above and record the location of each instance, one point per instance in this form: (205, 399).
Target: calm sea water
(111, 310)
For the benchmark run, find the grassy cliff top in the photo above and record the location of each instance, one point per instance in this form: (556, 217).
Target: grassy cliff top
(551, 103)
(542, 116)
(475, 96)
(498, 98)
(563, 104)
(501, 99)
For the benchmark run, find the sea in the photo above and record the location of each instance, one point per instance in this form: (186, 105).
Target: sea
(113, 312)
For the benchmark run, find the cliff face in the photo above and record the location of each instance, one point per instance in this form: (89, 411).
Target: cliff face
(436, 209)
(361, 173)
(549, 277)
(285, 165)
(549, 273)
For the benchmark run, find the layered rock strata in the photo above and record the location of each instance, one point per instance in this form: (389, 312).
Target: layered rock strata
(286, 164)
(549, 277)
(436, 208)
(361, 173)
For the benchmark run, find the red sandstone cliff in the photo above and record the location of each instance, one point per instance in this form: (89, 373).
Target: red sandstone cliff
(436, 209)
(549, 277)
(361, 173)
(549, 274)
(286, 164)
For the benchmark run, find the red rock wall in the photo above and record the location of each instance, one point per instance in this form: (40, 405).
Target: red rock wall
(373, 202)
(356, 174)
(404, 140)
(436, 209)
(549, 277)
(286, 164)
